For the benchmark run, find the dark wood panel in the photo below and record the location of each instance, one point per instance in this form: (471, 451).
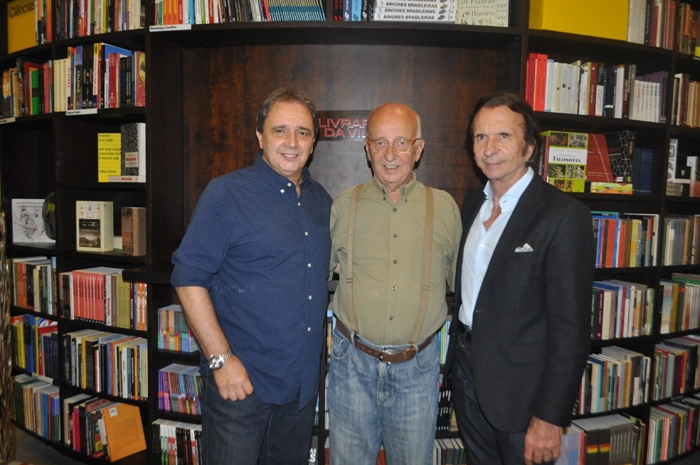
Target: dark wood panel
(164, 149)
(441, 84)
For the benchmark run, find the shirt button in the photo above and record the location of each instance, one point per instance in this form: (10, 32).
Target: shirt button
(310, 297)
(395, 262)
(306, 233)
(289, 184)
(298, 204)
(391, 317)
(309, 265)
(282, 191)
(395, 209)
(393, 288)
(308, 329)
(396, 235)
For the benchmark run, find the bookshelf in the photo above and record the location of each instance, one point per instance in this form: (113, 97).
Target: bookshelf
(204, 86)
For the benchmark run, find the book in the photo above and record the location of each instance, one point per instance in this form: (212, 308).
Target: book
(28, 224)
(480, 13)
(94, 226)
(123, 431)
(598, 167)
(133, 231)
(109, 155)
(133, 154)
(567, 154)
(21, 25)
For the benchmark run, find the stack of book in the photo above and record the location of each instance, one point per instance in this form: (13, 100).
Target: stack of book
(37, 406)
(179, 388)
(35, 344)
(621, 309)
(102, 429)
(673, 429)
(173, 331)
(680, 305)
(111, 363)
(595, 89)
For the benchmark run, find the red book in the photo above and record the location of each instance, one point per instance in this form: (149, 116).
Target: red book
(540, 81)
(598, 162)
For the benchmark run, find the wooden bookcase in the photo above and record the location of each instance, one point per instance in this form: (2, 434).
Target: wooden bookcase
(204, 86)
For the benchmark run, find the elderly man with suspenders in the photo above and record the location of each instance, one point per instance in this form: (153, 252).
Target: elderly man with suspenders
(384, 372)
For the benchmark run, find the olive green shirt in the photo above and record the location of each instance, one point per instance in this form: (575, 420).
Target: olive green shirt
(388, 259)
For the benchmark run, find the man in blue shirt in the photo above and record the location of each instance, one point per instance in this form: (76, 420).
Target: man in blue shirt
(251, 276)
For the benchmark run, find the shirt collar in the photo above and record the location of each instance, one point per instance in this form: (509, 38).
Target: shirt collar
(511, 197)
(405, 190)
(274, 178)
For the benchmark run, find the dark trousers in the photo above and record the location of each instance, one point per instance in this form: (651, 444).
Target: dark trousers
(484, 444)
(251, 432)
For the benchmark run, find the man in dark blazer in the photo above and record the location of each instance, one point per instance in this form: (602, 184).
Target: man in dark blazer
(521, 329)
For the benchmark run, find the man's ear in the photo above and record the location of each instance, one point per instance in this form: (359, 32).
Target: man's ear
(260, 139)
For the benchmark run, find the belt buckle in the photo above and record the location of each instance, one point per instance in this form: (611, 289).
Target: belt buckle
(386, 352)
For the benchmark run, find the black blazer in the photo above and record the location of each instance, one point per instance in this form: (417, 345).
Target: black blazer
(532, 319)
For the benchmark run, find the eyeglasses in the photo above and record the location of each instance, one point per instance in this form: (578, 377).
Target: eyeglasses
(401, 145)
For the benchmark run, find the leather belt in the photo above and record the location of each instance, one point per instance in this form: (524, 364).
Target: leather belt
(385, 356)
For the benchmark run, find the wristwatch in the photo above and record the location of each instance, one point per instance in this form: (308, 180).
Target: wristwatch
(217, 361)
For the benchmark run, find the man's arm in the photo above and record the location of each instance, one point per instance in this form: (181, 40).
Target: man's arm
(569, 276)
(232, 378)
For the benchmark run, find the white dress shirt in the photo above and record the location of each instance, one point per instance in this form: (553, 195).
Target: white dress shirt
(480, 243)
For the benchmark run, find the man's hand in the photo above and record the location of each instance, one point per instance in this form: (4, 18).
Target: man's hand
(232, 380)
(542, 442)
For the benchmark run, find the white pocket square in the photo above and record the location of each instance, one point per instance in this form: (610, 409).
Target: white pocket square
(524, 248)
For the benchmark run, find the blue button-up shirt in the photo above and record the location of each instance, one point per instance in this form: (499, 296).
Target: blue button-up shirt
(263, 252)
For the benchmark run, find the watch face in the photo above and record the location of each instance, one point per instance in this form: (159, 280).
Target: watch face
(216, 362)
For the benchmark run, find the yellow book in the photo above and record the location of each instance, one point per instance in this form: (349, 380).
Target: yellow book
(597, 18)
(109, 155)
(123, 429)
(21, 25)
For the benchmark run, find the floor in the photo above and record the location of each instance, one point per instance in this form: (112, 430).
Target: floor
(32, 450)
(36, 452)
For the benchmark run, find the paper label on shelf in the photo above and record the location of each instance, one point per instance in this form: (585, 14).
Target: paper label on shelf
(87, 111)
(171, 27)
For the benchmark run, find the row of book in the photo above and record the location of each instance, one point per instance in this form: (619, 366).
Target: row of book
(37, 406)
(468, 12)
(33, 283)
(621, 309)
(595, 89)
(173, 12)
(608, 439)
(37, 22)
(625, 239)
(686, 100)
(110, 363)
(673, 429)
(101, 295)
(102, 429)
(173, 331)
(91, 77)
(676, 366)
(669, 24)
(179, 389)
(176, 443)
(35, 346)
(680, 306)
(104, 76)
(614, 379)
(681, 240)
